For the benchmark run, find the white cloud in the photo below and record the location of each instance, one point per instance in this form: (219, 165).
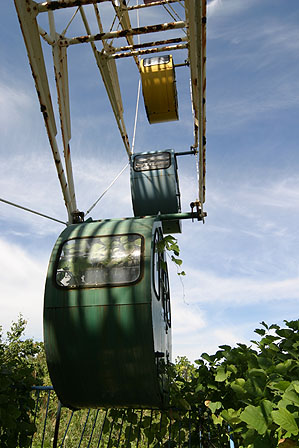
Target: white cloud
(15, 103)
(22, 281)
(226, 8)
(208, 287)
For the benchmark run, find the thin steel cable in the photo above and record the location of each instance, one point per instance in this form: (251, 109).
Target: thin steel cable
(136, 116)
(108, 188)
(72, 18)
(32, 211)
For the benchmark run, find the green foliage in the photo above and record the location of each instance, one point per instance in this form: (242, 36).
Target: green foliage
(19, 369)
(248, 393)
(254, 389)
(170, 244)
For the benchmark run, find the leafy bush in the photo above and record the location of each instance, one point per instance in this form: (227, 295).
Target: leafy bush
(251, 392)
(19, 369)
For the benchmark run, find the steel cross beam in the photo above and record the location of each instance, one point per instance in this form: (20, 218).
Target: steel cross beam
(193, 25)
(196, 29)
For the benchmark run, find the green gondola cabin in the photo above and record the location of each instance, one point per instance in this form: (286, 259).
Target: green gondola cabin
(107, 324)
(155, 186)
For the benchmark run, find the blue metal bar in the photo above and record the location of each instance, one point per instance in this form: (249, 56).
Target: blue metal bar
(46, 416)
(84, 428)
(100, 438)
(35, 412)
(120, 430)
(56, 431)
(93, 426)
(180, 427)
(110, 434)
(189, 429)
(129, 443)
(169, 438)
(139, 430)
(42, 388)
(67, 428)
(148, 442)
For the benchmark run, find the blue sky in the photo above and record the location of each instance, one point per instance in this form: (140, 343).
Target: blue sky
(242, 264)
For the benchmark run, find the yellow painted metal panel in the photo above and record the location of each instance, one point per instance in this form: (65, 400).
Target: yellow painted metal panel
(159, 89)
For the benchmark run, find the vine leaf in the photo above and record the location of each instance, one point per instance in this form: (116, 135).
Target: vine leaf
(286, 421)
(256, 417)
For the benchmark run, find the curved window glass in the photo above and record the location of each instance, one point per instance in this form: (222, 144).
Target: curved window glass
(156, 161)
(99, 261)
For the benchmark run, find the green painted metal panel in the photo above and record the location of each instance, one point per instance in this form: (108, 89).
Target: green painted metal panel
(155, 187)
(102, 342)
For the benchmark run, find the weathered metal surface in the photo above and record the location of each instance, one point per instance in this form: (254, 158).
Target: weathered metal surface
(110, 78)
(62, 86)
(149, 44)
(196, 19)
(60, 4)
(124, 20)
(168, 48)
(101, 340)
(153, 3)
(194, 26)
(27, 16)
(123, 33)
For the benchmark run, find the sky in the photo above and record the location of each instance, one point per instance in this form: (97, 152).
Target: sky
(242, 264)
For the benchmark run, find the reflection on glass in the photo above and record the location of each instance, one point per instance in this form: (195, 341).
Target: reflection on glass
(98, 261)
(146, 162)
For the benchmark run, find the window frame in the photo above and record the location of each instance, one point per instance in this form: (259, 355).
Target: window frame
(104, 285)
(151, 155)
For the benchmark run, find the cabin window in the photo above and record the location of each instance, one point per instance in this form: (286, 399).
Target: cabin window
(147, 162)
(99, 261)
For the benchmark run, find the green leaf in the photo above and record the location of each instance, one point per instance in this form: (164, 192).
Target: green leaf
(257, 373)
(253, 416)
(206, 357)
(279, 385)
(291, 395)
(238, 387)
(214, 406)
(225, 347)
(217, 419)
(259, 331)
(231, 416)
(222, 374)
(285, 419)
(176, 260)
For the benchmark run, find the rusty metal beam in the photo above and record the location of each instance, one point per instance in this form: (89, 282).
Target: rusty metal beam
(196, 30)
(146, 5)
(149, 44)
(109, 75)
(27, 17)
(62, 87)
(148, 51)
(116, 34)
(60, 4)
